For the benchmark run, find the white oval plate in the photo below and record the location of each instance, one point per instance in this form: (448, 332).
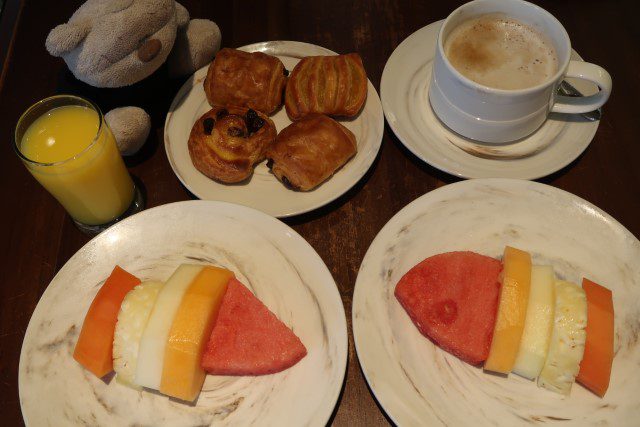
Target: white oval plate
(266, 255)
(416, 382)
(262, 190)
(404, 91)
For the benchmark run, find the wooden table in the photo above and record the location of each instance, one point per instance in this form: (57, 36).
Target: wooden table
(38, 237)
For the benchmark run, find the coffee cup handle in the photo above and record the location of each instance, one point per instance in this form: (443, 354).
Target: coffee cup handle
(584, 104)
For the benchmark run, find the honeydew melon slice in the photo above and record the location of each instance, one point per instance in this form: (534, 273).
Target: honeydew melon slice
(154, 338)
(538, 324)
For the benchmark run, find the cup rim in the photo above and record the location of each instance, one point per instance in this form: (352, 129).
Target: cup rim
(75, 156)
(467, 81)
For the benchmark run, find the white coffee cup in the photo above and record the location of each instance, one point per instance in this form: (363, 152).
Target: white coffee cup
(495, 115)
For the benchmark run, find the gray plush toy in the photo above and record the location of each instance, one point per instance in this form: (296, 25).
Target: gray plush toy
(115, 43)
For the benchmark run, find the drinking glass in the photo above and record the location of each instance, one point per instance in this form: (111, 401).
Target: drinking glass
(90, 180)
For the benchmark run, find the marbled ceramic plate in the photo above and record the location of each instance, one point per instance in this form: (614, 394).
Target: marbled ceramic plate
(404, 91)
(266, 255)
(416, 382)
(262, 190)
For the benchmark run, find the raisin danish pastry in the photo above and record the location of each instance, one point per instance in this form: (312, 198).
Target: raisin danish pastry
(331, 85)
(309, 151)
(242, 79)
(225, 143)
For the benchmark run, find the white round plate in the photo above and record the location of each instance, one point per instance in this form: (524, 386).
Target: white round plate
(404, 91)
(279, 266)
(416, 382)
(262, 190)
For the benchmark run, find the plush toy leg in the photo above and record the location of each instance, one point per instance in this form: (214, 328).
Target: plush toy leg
(195, 47)
(130, 126)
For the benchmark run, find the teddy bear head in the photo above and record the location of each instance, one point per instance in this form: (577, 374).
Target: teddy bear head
(115, 43)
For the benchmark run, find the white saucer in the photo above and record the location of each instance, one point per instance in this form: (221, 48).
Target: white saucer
(404, 92)
(262, 190)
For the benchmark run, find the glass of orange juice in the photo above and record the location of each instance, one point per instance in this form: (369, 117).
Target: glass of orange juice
(68, 147)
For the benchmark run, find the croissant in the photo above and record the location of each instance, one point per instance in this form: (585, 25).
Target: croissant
(225, 143)
(309, 151)
(242, 79)
(331, 85)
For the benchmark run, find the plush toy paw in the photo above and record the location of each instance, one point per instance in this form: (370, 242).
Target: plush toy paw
(130, 127)
(65, 37)
(195, 46)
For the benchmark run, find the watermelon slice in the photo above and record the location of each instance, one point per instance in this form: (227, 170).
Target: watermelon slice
(453, 298)
(248, 339)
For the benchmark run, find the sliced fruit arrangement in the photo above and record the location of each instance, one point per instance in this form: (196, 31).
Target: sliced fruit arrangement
(155, 334)
(513, 316)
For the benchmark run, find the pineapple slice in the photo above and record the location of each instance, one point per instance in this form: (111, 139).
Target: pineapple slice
(567, 339)
(538, 324)
(132, 319)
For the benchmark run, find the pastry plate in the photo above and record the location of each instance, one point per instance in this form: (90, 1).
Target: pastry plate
(266, 255)
(262, 190)
(416, 382)
(404, 91)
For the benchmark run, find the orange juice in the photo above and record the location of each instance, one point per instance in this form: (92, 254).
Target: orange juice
(71, 151)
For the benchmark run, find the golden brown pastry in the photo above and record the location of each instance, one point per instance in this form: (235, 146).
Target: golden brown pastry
(242, 79)
(309, 151)
(331, 85)
(225, 143)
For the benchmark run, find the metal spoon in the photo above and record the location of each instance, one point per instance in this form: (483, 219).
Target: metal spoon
(565, 88)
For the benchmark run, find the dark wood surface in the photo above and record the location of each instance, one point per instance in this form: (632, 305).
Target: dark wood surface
(37, 237)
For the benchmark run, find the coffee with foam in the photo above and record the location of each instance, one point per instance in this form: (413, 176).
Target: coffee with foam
(501, 52)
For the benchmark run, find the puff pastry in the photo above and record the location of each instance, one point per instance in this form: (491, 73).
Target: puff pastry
(226, 142)
(309, 151)
(242, 79)
(331, 85)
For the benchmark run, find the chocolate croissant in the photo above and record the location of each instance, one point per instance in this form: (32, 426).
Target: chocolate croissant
(309, 151)
(225, 143)
(331, 85)
(242, 79)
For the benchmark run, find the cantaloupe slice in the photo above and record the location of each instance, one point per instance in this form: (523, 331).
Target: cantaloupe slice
(154, 339)
(538, 324)
(512, 310)
(595, 368)
(182, 376)
(567, 339)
